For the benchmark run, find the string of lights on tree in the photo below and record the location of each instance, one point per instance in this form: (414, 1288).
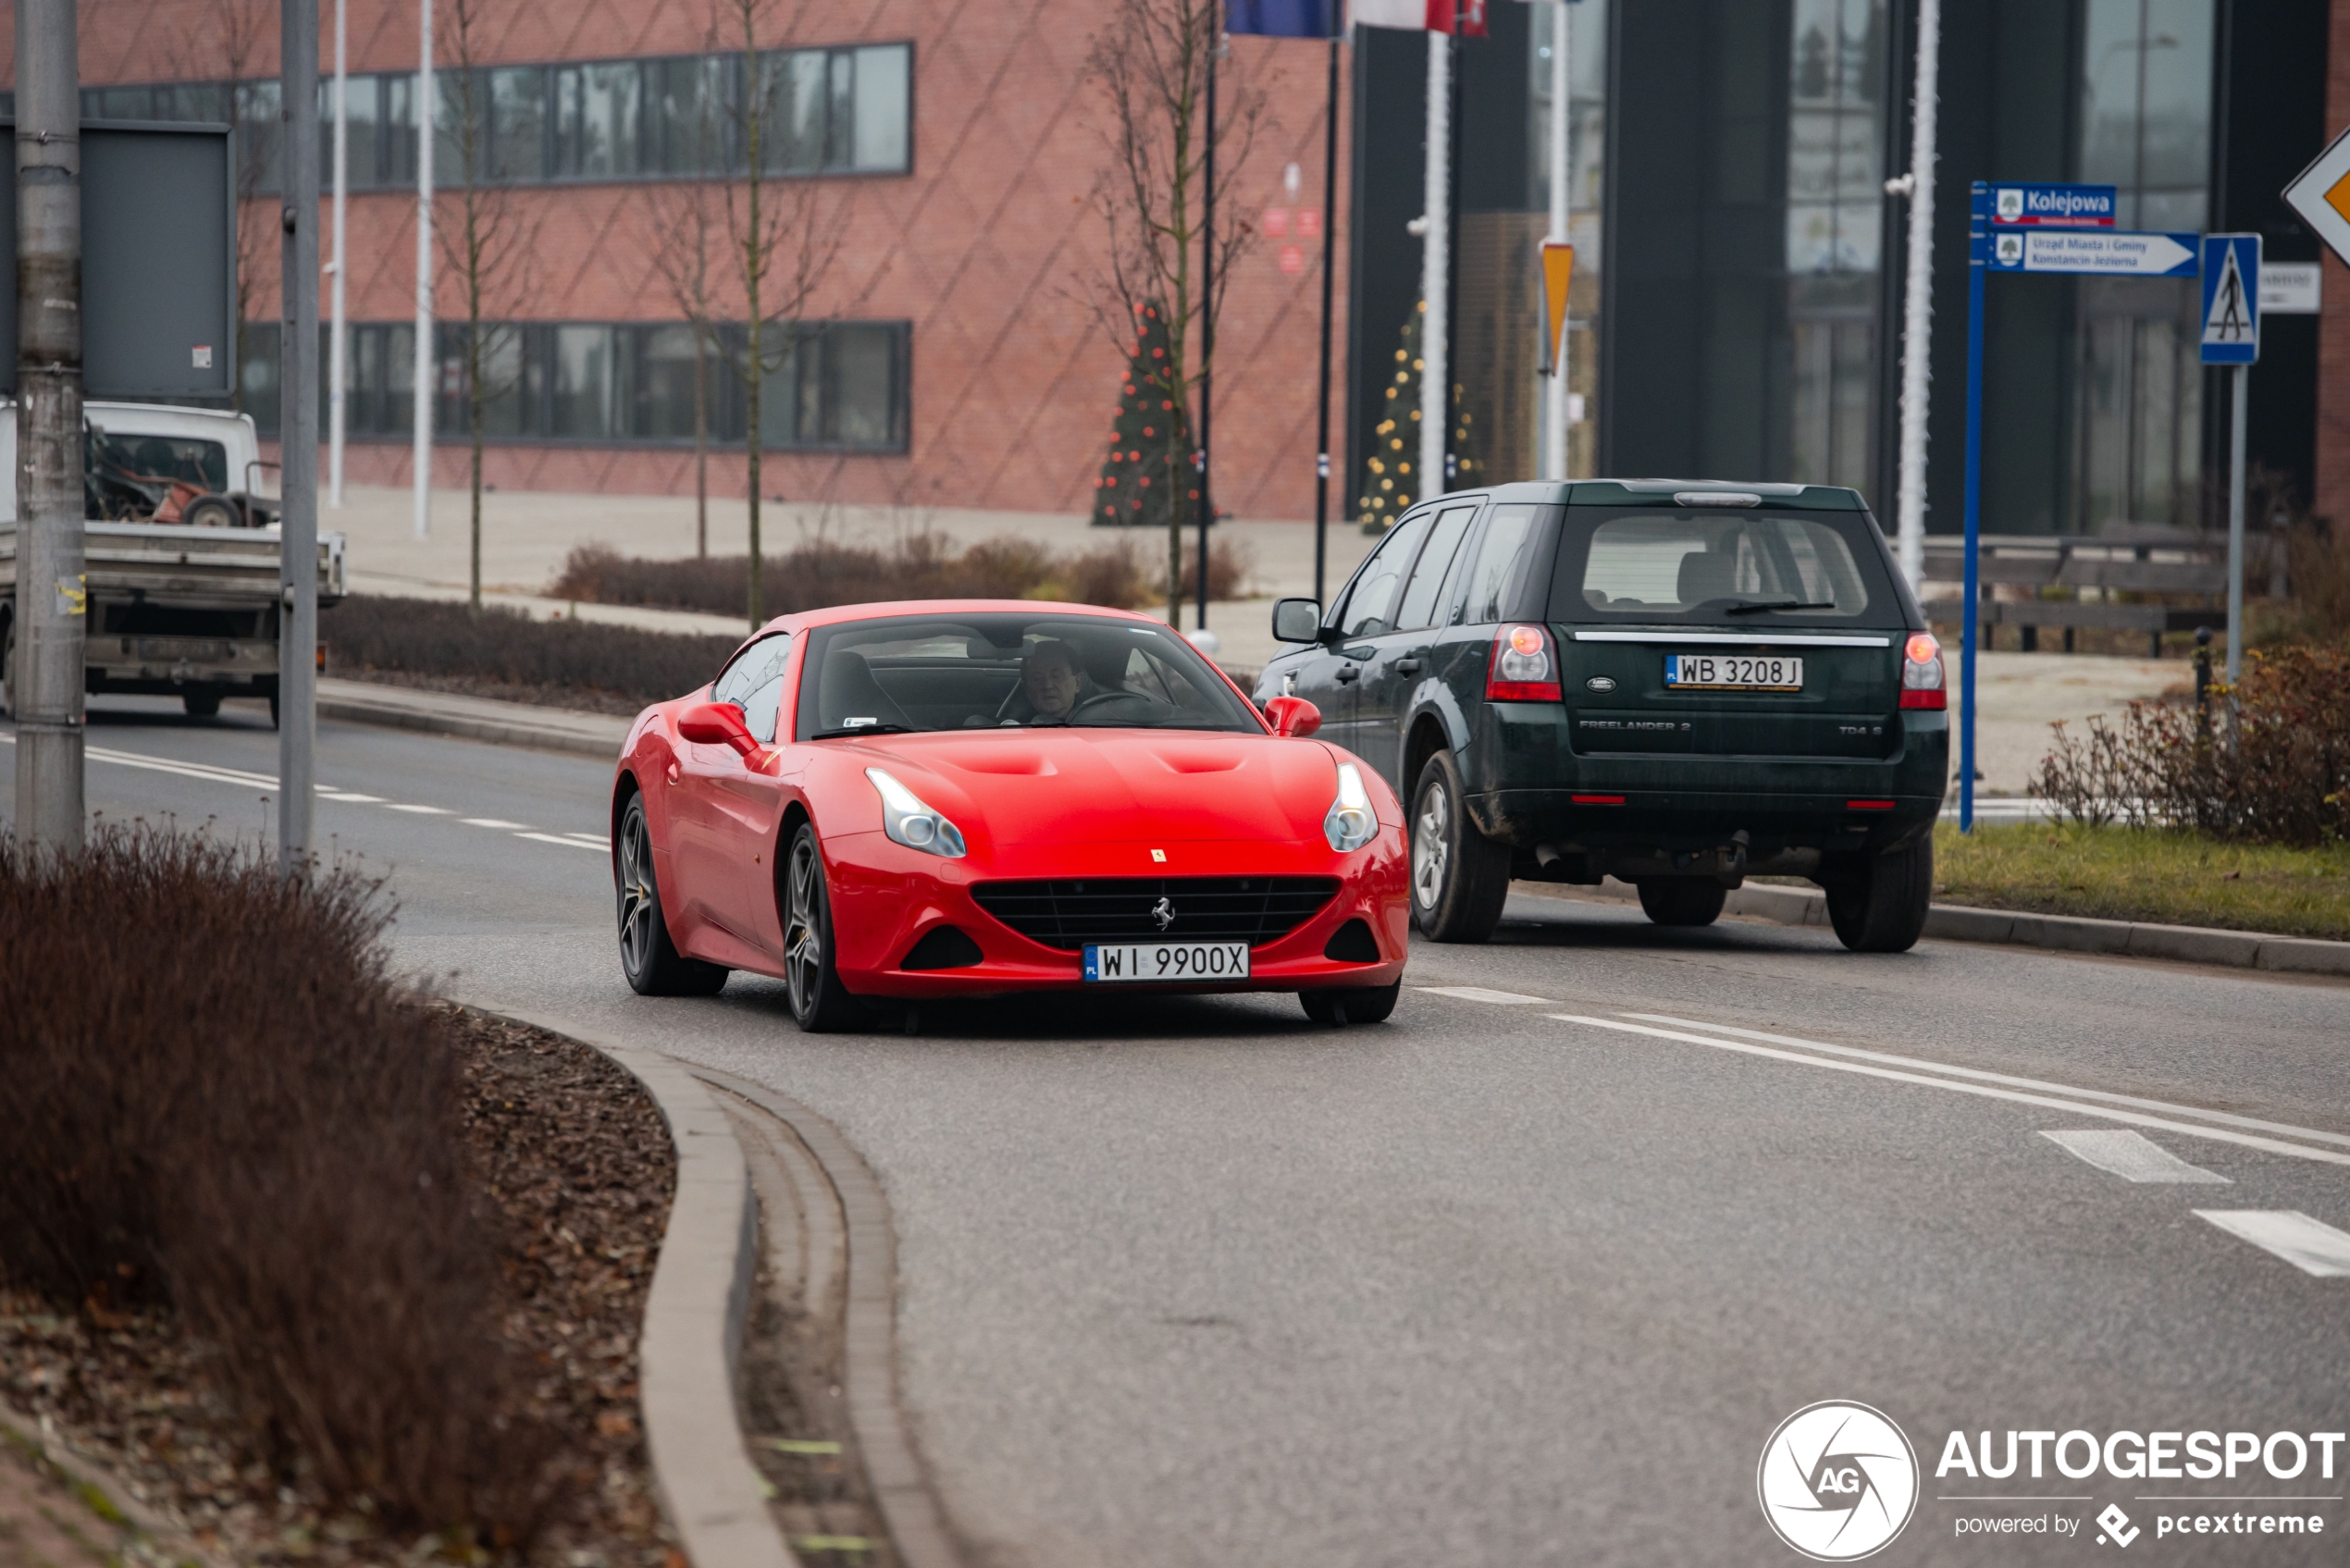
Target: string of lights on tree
(1148, 469)
(1390, 484)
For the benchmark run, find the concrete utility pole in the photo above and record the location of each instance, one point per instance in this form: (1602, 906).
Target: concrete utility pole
(1436, 261)
(339, 338)
(1917, 295)
(298, 421)
(1554, 407)
(422, 418)
(44, 687)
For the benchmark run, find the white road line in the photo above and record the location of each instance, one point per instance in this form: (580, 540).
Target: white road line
(204, 771)
(600, 840)
(348, 798)
(421, 810)
(2269, 1145)
(2310, 1246)
(494, 822)
(2310, 1134)
(1479, 994)
(2133, 1156)
(566, 842)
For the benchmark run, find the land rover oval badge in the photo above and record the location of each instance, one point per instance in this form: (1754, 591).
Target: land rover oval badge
(1599, 683)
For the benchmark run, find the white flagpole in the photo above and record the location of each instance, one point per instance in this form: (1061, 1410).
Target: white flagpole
(1435, 267)
(1917, 303)
(1554, 407)
(337, 367)
(423, 107)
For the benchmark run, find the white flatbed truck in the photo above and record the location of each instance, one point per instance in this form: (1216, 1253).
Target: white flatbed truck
(182, 553)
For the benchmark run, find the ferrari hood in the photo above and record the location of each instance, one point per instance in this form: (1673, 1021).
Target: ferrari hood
(1065, 786)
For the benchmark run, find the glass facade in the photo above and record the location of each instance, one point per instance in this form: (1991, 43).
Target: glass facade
(843, 111)
(840, 385)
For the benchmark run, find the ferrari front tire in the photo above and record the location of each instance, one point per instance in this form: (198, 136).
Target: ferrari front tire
(1460, 878)
(648, 957)
(1356, 1004)
(819, 1003)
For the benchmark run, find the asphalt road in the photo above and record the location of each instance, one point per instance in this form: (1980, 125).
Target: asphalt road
(1528, 1274)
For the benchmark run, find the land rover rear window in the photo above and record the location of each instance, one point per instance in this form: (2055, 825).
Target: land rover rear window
(1704, 567)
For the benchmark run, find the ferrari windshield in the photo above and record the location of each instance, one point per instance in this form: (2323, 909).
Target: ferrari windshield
(1045, 669)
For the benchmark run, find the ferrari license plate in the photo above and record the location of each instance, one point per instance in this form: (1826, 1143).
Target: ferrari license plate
(1734, 672)
(1163, 961)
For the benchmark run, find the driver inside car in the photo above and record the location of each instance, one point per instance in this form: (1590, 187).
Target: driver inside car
(1053, 683)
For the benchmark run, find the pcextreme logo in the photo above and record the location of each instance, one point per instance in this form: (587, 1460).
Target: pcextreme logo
(1838, 1481)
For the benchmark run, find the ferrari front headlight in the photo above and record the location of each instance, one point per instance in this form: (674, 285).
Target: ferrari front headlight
(911, 823)
(1350, 821)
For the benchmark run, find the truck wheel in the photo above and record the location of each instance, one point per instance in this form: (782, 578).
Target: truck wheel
(1682, 901)
(1360, 1004)
(273, 710)
(1460, 878)
(200, 704)
(212, 511)
(1879, 906)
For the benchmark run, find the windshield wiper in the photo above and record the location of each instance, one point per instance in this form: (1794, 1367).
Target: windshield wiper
(1751, 606)
(863, 730)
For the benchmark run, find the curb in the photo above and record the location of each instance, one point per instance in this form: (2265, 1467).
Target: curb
(2063, 933)
(500, 723)
(869, 1351)
(687, 1359)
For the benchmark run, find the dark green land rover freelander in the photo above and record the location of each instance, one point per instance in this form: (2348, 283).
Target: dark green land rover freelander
(1675, 683)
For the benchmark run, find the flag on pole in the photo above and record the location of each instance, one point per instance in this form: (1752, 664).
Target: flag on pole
(1430, 15)
(1283, 19)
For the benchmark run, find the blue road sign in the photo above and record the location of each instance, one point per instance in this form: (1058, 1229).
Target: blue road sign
(2109, 252)
(2052, 206)
(2231, 299)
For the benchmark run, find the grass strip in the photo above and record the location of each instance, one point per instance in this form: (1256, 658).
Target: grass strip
(2162, 876)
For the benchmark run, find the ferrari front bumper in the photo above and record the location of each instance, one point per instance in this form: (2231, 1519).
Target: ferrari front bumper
(886, 898)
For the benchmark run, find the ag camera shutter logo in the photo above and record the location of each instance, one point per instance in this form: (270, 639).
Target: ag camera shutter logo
(1838, 1481)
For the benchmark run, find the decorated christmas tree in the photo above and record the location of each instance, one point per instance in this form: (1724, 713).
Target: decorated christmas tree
(1390, 478)
(1147, 480)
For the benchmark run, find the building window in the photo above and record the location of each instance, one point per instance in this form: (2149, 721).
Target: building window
(825, 111)
(838, 386)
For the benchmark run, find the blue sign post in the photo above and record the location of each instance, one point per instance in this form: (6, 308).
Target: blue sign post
(2232, 336)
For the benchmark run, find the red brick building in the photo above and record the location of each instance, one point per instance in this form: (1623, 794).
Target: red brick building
(962, 146)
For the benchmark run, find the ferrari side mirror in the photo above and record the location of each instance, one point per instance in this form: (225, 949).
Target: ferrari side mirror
(718, 723)
(1293, 718)
(1297, 620)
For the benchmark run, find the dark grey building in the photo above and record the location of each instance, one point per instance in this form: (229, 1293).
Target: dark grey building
(1737, 304)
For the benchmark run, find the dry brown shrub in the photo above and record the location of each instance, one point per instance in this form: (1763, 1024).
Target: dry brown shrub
(2268, 762)
(213, 1095)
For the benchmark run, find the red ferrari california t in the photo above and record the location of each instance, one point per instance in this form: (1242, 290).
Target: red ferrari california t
(967, 798)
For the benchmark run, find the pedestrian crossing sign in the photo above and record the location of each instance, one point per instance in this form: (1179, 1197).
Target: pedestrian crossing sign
(2231, 299)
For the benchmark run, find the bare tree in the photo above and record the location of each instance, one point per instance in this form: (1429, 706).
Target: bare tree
(783, 236)
(235, 32)
(489, 247)
(683, 224)
(1150, 62)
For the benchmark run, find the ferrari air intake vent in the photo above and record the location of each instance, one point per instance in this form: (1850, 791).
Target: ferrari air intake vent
(1069, 914)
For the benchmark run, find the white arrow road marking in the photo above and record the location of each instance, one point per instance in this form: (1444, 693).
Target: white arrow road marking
(1479, 994)
(2310, 1246)
(2312, 1134)
(2133, 1156)
(2049, 1101)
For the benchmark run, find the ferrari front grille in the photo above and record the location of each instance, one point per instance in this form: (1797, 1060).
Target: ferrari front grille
(1067, 914)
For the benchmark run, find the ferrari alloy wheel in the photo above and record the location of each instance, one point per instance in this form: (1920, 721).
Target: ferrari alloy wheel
(1460, 878)
(648, 957)
(820, 1004)
(1359, 1004)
